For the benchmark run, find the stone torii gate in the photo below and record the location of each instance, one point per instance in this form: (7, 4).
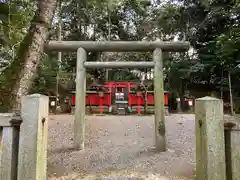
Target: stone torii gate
(82, 47)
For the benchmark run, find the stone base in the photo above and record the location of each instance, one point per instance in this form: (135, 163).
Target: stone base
(166, 111)
(121, 111)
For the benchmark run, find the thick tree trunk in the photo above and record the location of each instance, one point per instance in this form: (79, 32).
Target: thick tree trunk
(20, 75)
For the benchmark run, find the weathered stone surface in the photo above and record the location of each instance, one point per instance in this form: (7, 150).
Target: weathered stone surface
(234, 155)
(210, 147)
(160, 140)
(32, 161)
(79, 120)
(8, 152)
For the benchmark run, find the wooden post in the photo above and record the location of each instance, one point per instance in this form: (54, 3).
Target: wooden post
(32, 161)
(139, 106)
(210, 147)
(101, 106)
(160, 140)
(9, 150)
(79, 121)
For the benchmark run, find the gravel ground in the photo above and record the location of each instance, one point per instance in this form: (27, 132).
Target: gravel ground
(121, 146)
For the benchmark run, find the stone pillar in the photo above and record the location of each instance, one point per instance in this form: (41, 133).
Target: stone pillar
(9, 147)
(232, 143)
(79, 121)
(32, 161)
(160, 141)
(166, 111)
(210, 147)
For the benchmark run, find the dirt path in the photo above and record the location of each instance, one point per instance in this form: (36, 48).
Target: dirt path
(121, 144)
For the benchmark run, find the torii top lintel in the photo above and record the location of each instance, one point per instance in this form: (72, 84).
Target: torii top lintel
(118, 46)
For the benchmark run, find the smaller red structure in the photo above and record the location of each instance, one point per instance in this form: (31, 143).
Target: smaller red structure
(119, 85)
(98, 98)
(93, 98)
(133, 99)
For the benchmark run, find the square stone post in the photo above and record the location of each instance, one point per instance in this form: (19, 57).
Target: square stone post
(232, 144)
(210, 146)
(32, 161)
(160, 141)
(235, 153)
(79, 121)
(9, 148)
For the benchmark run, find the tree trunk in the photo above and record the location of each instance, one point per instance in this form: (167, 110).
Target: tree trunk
(21, 73)
(230, 93)
(59, 53)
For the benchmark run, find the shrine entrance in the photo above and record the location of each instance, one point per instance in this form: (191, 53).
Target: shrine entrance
(82, 47)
